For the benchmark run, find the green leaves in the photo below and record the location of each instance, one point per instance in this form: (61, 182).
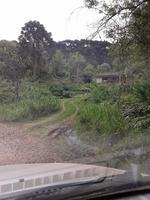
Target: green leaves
(105, 94)
(7, 94)
(102, 118)
(91, 3)
(142, 91)
(34, 44)
(36, 101)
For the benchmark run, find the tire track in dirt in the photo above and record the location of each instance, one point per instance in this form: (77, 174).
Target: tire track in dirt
(19, 145)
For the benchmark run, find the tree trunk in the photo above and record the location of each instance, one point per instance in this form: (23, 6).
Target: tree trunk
(17, 89)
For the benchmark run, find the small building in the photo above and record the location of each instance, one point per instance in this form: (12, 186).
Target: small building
(110, 78)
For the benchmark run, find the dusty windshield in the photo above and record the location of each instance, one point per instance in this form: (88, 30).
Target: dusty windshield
(74, 83)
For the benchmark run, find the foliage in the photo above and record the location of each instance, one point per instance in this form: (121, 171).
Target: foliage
(137, 115)
(7, 94)
(36, 101)
(102, 118)
(95, 52)
(115, 15)
(58, 64)
(136, 106)
(105, 94)
(67, 90)
(34, 43)
(76, 64)
(141, 90)
(70, 109)
(88, 73)
(105, 67)
(11, 65)
(140, 30)
(121, 52)
(126, 23)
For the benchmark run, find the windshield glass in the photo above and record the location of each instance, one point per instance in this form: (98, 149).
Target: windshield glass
(75, 86)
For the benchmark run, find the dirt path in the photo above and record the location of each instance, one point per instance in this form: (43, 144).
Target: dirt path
(17, 146)
(32, 142)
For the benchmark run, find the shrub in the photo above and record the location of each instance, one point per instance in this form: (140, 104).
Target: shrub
(136, 105)
(105, 94)
(102, 118)
(142, 91)
(65, 90)
(36, 101)
(7, 94)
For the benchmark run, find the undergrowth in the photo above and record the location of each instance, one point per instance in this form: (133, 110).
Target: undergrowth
(35, 101)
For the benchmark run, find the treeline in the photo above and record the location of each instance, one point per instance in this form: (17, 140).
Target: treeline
(95, 52)
(36, 56)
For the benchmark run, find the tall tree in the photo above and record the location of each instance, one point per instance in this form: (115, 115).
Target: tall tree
(11, 65)
(105, 67)
(76, 64)
(34, 44)
(88, 73)
(58, 64)
(115, 15)
(127, 23)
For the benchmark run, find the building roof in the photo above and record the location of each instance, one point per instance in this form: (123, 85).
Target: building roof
(113, 74)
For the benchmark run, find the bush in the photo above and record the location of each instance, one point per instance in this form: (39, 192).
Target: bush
(7, 94)
(57, 90)
(136, 105)
(65, 90)
(102, 118)
(36, 101)
(105, 94)
(141, 90)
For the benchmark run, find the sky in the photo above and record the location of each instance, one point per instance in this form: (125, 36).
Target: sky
(60, 17)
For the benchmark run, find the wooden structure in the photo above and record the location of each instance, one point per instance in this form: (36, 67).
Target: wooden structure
(107, 78)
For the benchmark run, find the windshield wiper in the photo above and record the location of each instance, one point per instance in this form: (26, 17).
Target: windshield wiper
(111, 185)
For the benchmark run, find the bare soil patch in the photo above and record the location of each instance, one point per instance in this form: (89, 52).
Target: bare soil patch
(19, 146)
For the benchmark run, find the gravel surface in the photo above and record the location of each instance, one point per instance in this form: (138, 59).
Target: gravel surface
(17, 145)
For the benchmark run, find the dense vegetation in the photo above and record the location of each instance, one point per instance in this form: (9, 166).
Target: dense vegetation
(126, 108)
(116, 110)
(35, 101)
(37, 72)
(95, 52)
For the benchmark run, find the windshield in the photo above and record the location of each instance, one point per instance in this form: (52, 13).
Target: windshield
(74, 89)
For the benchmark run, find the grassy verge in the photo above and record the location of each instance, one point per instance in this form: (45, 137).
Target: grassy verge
(35, 101)
(69, 109)
(101, 118)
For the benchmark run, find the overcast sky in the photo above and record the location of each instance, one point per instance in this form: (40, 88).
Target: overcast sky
(55, 15)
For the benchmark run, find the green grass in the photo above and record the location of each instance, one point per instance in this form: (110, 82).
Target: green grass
(70, 107)
(100, 118)
(35, 101)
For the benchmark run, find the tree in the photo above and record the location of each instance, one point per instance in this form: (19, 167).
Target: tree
(105, 67)
(58, 64)
(88, 73)
(35, 42)
(115, 15)
(76, 64)
(127, 23)
(11, 65)
(139, 29)
(94, 52)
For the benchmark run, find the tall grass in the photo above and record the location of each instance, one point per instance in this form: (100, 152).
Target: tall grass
(102, 118)
(35, 101)
(105, 93)
(70, 109)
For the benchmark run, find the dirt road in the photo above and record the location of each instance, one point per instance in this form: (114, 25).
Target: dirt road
(18, 146)
(32, 142)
